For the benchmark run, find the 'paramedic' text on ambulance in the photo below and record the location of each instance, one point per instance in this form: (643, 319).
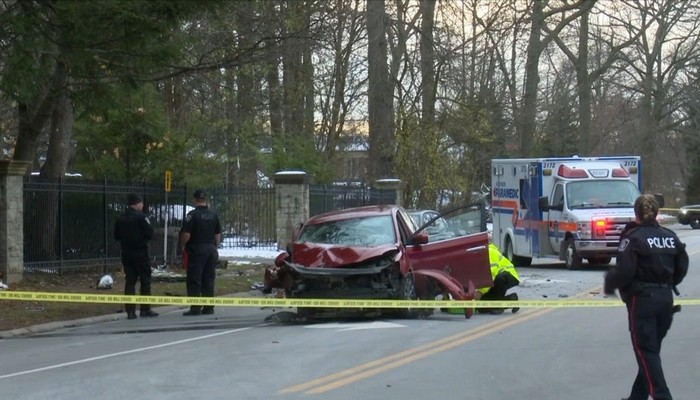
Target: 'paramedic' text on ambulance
(571, 208)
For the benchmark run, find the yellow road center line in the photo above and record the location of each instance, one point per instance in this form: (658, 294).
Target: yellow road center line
(402, 358)
(473, 335)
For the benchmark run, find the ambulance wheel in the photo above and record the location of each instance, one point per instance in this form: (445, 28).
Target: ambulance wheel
(573, 260)
(522, 261)
(600, 260)
(517, 261)
(509, 250)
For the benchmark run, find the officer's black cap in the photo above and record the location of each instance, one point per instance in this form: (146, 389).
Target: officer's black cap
(199, 194)
(134, 198)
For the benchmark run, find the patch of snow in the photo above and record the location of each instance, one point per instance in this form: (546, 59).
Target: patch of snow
(247, 252)
(290, 173)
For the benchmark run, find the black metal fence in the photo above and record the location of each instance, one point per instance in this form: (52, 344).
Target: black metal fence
(68, 223)
(324, 198)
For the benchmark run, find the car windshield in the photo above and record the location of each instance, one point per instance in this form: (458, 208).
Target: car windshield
(362, 232)
(601, 193)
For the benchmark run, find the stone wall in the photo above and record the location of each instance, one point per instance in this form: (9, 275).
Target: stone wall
(11, 220)
(292, 204)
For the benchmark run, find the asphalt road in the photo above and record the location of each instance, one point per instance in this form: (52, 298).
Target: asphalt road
(543, 354)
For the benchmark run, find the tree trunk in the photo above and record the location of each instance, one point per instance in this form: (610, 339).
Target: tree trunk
(55, 167)
(528, 108)
(293, 73)
(245, 146)
(34, 115)
(584, 87)
(427, 62)
(380, 101)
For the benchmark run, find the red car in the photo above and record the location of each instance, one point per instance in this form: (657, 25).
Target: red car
(378, 252)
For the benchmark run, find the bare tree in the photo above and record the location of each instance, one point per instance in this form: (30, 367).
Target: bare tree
(653, 71)
(540, 15)
(340, 87)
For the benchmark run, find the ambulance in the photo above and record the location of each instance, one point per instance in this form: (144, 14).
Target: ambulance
(571, 208)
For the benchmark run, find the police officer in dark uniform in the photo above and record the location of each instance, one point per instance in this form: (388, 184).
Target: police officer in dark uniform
(651, 261)
(133, 231)
(200, 238)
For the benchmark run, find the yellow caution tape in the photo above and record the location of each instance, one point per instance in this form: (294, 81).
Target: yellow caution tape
(315, 303)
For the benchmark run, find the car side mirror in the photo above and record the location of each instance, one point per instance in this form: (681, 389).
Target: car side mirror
(281, 259)
(421, 237)
(543, 203)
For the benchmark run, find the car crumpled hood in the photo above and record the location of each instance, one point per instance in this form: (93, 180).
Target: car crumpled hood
(329, 256)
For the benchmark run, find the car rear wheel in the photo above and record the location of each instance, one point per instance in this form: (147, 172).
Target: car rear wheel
(573, 260)
(695, 222)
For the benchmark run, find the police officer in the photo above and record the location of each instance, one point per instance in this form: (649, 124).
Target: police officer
(651, 260)
(200, 238)
(133, 231)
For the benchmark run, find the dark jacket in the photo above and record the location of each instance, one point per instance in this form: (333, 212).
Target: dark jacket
(648, 254)
(133, 230)
(203, 225)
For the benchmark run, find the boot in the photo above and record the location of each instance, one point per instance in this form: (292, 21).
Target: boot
(193, 311)
(513, 297)
(207, 310)
(148, 313)
(130, 311)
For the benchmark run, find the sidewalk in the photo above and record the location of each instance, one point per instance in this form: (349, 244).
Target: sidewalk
(52, 326)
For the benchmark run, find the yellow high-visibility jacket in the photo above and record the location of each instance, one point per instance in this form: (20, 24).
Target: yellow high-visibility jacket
(498, 264)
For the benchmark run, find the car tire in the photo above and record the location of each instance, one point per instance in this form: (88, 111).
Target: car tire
(695, 222)
(572, 259)
(408, 292)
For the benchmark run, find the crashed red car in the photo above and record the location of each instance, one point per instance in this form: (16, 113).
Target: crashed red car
(378, 252)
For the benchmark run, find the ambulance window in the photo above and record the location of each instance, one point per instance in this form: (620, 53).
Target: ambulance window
(558, 197)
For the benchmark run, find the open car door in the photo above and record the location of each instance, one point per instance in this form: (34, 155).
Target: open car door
(460, 253)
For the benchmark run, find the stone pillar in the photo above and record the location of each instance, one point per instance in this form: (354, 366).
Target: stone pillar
(11, 220)
(392, 184)
(292, 192)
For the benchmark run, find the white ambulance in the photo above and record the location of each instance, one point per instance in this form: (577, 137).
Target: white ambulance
(571, 208)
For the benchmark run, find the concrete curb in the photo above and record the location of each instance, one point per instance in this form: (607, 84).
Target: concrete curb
(52, 326)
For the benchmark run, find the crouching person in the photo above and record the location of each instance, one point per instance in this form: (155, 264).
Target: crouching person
(504, 276)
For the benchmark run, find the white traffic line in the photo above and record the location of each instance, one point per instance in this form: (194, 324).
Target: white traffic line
(121, 353)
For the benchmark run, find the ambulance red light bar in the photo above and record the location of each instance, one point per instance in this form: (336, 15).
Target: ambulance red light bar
(620, 173)
(573, 173)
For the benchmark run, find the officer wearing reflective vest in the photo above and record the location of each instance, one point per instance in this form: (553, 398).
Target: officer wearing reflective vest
(651, 261)
(504, 276)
